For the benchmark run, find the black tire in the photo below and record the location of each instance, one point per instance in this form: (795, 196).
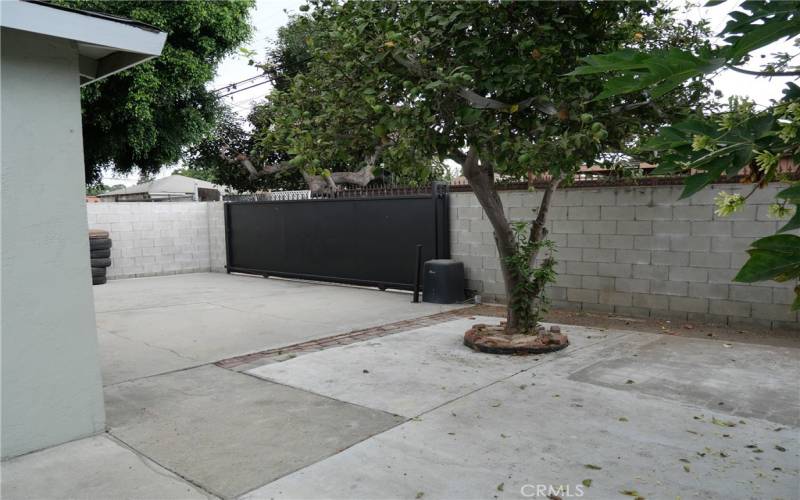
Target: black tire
(100, 254)
(99, 244)
(98, 280)
(101, 262)
(98, 272)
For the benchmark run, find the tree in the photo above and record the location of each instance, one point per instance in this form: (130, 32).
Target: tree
(713, 146)
(143, 117)
(482, 84)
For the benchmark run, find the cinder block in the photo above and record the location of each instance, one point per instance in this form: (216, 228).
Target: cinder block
(614, 270)
(717, 260)
(681, 243)
(556, 293)
(582, 268)
(521, 213)
(783, 295)
(711, 228)
(598, 255)
(568, 227)
(600, 227)
(633, 256)
(708, 319)
(668, 315)
(599, 197)
(688, 304)
(569, 280)
(635, 227)
(583, 213)
(721, 275)
(480, 226)
(632, 285)
(688, 274)
(632, 312)
(565, 305)
(470, 213)
(668, 195)
(583, 240)
(730, 308)
(670, 258)
(624, 242)
(597, 308)
(634, 196)
(693, 213)
(650, 272)
(616, 213)
(650, 301)
(567, 198)
(708, 290)
(747, 293)
(672, 227)
(597, 283)
(749, 323)
(677, 288)
(754, 229)
(615, 298)
(657, 242)
(730, 244)
(660, 213)
(569, 254)
(581, 295)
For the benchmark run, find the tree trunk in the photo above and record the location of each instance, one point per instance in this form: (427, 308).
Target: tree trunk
(481, 179)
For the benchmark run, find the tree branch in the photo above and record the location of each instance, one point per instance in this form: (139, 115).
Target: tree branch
(476, 100)
(538, 229)
(762, 73)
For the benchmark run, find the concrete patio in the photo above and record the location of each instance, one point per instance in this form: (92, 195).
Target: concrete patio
(412, 414)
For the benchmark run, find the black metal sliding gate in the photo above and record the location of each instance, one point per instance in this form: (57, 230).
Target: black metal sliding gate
(366, 238)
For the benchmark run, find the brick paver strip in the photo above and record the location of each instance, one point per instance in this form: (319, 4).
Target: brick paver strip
(288, 352)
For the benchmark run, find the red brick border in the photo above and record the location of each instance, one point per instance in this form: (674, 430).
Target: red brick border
(283, 353)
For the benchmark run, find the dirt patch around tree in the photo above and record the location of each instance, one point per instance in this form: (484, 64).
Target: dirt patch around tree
(688, 329)
(494, 339)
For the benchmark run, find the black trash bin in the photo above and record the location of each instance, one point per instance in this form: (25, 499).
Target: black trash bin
(443, 281)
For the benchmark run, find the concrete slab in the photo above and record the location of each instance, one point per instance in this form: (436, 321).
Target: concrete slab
(744, 380)
(412, 372)
(230, 432)
(172, 322)
(541, 428)
(92, 468)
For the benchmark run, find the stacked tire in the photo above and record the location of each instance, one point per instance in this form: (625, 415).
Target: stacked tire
(99, 254)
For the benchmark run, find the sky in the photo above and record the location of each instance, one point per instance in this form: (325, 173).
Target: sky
(269, 15)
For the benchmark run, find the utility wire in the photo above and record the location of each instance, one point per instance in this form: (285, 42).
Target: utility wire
(243, 89)
(228, 86)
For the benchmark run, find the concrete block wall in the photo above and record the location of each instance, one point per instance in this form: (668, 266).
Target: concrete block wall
(216, 236)
(637, 251)
(151, 239)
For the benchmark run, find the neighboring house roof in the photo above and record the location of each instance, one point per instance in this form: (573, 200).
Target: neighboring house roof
(166, 186)
(106, 44)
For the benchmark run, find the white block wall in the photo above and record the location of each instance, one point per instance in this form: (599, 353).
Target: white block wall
(151, 239)
(637, 251)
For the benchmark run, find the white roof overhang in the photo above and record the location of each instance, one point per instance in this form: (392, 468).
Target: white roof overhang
(106, 44)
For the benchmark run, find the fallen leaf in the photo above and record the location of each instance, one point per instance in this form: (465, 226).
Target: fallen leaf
(495, 405)
(554, 497)
(592, 466)
(452, 433)
(727, 345)
(587, 483)
(630, 493)
(629, 381)
(501, 486)
(623, 419)
(778, 429)
(688, 327)
(722, 423)
(556, 395)
(686, 468)
(686, 460)
(723, 454)
(365, 371)
(779, 447)
(420, 494)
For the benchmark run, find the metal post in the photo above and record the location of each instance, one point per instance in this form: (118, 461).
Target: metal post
(417, 273)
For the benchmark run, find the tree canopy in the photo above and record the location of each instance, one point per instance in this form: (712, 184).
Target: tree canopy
(143, 117)
(484, 84)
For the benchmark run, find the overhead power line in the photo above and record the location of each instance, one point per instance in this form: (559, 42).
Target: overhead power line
(243, 89)
(234, 84)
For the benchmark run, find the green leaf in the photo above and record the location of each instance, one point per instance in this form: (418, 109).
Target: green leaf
(762, 35)
(775, 257)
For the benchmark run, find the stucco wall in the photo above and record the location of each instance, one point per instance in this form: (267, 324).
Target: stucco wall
(51, 386)
(637, 251)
